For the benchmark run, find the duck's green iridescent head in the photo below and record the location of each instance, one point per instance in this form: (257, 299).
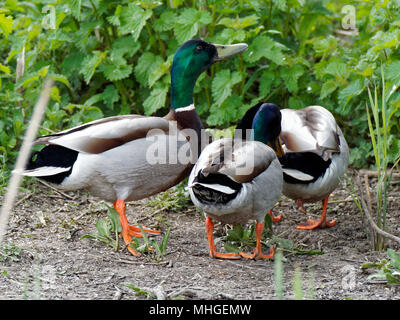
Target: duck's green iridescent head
(267, 127)
(191, 59)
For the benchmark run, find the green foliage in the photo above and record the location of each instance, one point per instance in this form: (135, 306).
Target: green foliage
(389, 271)
(10, 252)
(379, 129)
(107, 230)
(113, 57)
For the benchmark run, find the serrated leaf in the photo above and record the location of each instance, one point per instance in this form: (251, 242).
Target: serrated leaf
(72, 63)
(353, 89)
(133, 19)
(239, 23)
(327, 88)
(60, 78)
(223, 83)
(165, 22)
(263, 46)
(189, 22)
(114, 72)
(290, 77)
(124, 46)
(337, 68)
(228, 112)
(75, 7)
(145, 66)
(155, 101)
(265, 83)
(110, 95)
(392, 72)
(90, 64)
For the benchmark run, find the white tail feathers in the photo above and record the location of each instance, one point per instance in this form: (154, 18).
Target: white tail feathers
(298, 174)
(217, 187)
(44, 171)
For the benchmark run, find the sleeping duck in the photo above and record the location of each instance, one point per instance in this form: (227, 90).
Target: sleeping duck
(316, 157)
(118, 158)
(236, 180)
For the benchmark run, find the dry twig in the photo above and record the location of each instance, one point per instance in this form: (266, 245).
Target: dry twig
(370, 219)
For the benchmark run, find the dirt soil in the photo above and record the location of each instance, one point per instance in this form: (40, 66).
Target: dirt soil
(55, 263)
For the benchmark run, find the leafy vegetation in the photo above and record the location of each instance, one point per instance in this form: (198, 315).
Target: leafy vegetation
(107, 230)
(113, 57)
(389, 271)
(379, 131)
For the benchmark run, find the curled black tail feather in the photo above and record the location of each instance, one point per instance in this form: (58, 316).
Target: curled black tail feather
(53, 156)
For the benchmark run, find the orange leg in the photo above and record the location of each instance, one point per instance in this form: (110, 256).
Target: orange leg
(274, 217)
(322, 223)
(129, 230)
(257, 252)
(211, 246)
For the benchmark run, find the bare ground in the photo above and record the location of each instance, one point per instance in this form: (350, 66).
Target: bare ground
(55, 263)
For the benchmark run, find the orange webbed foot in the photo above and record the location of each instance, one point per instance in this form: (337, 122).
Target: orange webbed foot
(313, 224)
(211, 245)
(257, 255)
(321, 223)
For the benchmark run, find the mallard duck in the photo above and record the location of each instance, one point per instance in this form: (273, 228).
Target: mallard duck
(236, 180)
(131, 157)
(316, 157)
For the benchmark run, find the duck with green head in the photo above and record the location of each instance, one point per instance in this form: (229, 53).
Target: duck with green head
(236, 180)
(113, 157)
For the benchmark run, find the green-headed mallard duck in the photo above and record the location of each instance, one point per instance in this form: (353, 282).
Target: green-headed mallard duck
(316, 157)
(236, 180)
(114, 158)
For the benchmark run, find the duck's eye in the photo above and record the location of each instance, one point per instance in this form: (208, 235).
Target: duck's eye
(198, 48)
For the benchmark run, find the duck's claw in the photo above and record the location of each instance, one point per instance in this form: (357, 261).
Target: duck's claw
(135, 231)
(274, 217)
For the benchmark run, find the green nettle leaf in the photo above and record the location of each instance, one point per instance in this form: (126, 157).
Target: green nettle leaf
(222, 85)
(188, 23)
(114, 72)
(90, 64)
(165, 22)
(146, 64)
(226, 113)
(327, 88)
(156, 100)
(72, 63)
(347, 93)
(265, 83)
(133, 19)
(290, 77)
(75, 7)
(280, 4)
(239, 23)
(6, 24)
(264, 46)
(392, 72)
(124, 46)
(337, 68)
(110, 95)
